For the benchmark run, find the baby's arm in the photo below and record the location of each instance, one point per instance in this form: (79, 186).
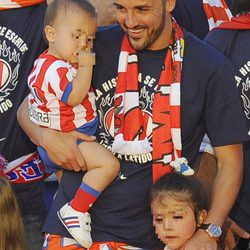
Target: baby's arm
(81, 83)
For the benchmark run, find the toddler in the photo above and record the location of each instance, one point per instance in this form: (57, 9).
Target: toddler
(61, 98)
(179, 206)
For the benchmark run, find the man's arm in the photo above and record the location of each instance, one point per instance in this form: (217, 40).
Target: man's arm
(61, 147)
(227, 182)
(224, 192)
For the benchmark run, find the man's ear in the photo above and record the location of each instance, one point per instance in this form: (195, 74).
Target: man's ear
(49, 33)
(202, 215)
(170, 4)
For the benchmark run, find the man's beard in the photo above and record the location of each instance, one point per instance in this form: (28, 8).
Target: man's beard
(151, 38)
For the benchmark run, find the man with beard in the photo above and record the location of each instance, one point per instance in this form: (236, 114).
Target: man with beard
(154, 83)
(229, 38)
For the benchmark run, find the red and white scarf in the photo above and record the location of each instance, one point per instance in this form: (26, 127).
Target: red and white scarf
(130, 123)
(217, 12)
(3, 165)
(10, 4)
(241, 22)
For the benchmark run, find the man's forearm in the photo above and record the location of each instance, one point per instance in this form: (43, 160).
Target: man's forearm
(61, 147)
(227, 182)
(34, 132)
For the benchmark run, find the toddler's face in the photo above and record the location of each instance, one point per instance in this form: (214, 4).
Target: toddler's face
(174, 222)
(74, 32)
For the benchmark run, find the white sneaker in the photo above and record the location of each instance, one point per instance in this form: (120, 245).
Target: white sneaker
(77, 224)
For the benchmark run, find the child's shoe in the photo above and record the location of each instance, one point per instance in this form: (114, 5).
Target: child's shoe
(77, 224)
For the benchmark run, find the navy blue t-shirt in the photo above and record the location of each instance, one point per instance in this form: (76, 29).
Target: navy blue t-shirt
(234, 44)
(21, 41)
(209, 104)
(190, 15)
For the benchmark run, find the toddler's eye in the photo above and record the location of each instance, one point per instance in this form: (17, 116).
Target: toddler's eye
(76, 36)
(90, 39)
(158, 220)
(178, 217)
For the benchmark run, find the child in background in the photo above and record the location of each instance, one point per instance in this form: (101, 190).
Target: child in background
(179, 206)
(11, 225)
(61, 98)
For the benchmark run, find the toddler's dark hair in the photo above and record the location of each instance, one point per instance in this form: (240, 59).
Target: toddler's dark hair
(181, 188)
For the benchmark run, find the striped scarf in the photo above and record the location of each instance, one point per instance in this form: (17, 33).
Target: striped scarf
(217, 12)
(130, 123)
(241, 22)
(3, 165)
(11, 4)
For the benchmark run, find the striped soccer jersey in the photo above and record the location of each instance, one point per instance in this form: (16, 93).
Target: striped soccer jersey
(50, 85)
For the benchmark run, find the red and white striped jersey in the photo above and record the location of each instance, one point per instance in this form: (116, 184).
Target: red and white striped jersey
(49, 82)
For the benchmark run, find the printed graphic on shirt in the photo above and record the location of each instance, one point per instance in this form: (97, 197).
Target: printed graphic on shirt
(243, 83)
(105, 96)
(12, 47)
(39, 117)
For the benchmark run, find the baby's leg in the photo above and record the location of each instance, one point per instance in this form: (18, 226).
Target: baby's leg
(102, 168)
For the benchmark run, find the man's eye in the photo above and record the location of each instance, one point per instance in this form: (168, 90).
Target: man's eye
(120, 9)
(142, 9)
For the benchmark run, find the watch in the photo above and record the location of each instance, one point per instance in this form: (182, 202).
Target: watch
(214, 231)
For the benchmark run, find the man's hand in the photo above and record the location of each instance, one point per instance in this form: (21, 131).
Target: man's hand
(231, 230)
(201, 241)
(63, 150)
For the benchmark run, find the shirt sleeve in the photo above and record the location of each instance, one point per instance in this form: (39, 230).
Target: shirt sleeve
(224, 114)
(60, 76)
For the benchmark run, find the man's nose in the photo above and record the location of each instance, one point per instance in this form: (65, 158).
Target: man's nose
(131, 20)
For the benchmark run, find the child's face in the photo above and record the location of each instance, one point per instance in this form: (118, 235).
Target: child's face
(74, 31)
(174, 222)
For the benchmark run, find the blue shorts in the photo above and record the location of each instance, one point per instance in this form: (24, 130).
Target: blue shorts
(89, 129)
